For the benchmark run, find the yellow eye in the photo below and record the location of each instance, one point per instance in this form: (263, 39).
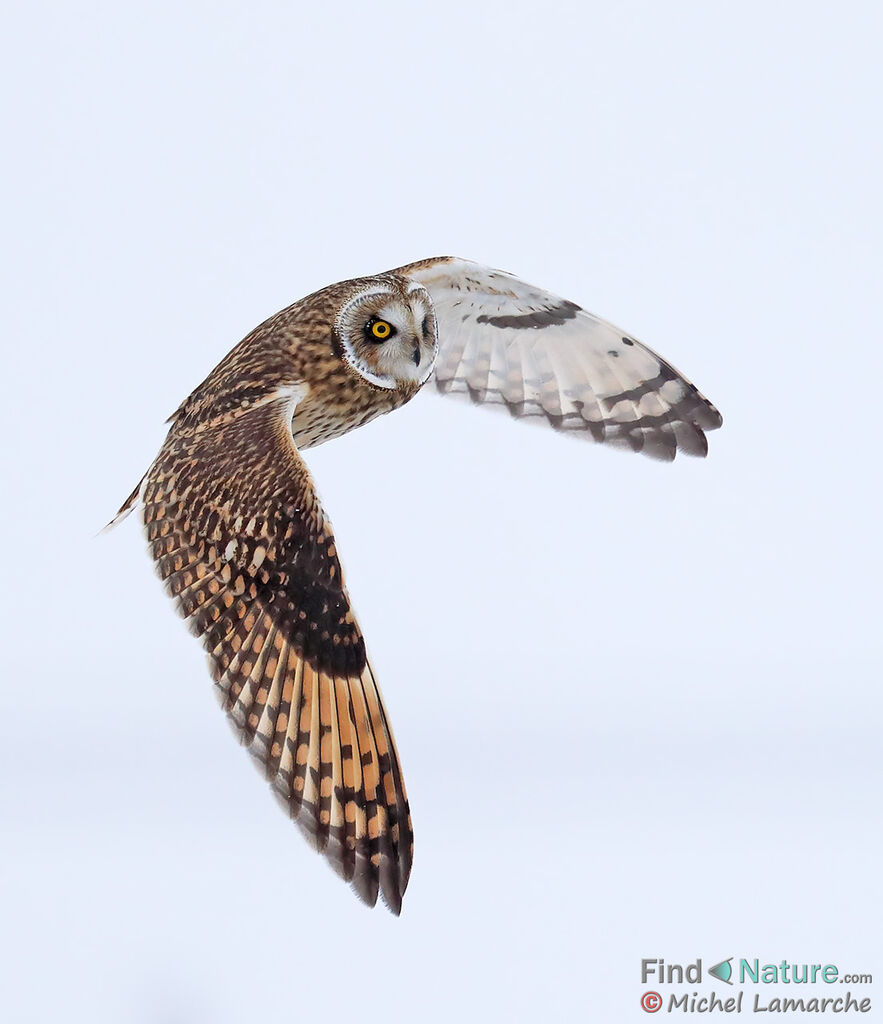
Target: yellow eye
(380, 330)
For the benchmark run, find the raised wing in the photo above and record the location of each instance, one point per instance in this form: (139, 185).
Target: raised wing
(506, 343)
(241, 542)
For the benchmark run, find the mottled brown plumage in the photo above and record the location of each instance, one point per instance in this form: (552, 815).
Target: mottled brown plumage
(242, 543)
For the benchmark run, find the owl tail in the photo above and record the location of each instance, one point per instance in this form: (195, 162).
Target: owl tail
(127, 506)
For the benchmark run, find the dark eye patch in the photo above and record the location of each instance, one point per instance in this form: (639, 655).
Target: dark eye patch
(378, 331)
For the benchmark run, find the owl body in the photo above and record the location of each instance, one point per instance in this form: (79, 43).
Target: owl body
(242, 544)
(301, 346)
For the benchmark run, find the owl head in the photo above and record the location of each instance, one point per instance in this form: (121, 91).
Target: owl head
(386, 331)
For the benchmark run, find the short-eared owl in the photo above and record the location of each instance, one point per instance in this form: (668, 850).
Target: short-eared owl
(242, 543)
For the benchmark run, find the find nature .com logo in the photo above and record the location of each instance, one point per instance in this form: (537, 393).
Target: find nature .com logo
(657, 972)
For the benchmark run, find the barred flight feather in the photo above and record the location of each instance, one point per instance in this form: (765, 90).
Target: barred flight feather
(240, 540)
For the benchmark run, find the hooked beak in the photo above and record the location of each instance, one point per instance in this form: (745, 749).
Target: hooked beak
(416, 353)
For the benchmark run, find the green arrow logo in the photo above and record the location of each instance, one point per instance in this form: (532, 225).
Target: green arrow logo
(723, 971)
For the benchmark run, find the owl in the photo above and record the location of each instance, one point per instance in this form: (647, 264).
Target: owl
(244, 547)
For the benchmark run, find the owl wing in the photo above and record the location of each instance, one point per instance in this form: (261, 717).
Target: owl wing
(240, 539)
(508, 344)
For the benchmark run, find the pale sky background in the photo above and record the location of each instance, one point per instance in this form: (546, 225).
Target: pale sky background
(638, 705)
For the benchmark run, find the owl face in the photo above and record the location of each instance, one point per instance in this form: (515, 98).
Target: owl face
(387, 333)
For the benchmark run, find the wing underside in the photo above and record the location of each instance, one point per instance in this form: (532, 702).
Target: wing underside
(505, 343)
